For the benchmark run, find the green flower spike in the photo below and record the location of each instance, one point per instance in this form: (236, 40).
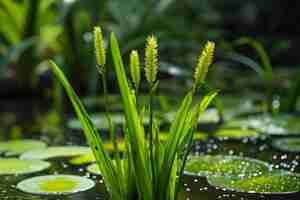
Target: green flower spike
(99, 48)
(151, 60)
(204, 61)
(135, 68)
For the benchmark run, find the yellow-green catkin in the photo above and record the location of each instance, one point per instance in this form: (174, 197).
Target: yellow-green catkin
(151, 59)
(135, 71)
(204, 61)
(99, 48)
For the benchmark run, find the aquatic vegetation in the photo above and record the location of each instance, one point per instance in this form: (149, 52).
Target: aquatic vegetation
(94, 169)
(17, 147)
(99, 120)
(272, 125)
(211, 115)
(163, 136)
(265, 71)
(55, 185)
(55, 152)
(13, 166)
(270, 183)
(225, 165)
(236, 133)
(287, 144)
(83, 159)
(149, 171)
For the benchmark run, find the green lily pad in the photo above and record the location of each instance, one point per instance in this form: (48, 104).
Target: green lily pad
(17, 147)
(55, 185)
(13, 166)
(225, 165)
(236, 133)
(207, 117)
(110, 147)
(93, 169)
(163, 136)
(53, 152)
(272, 125)
(287, 144)
(100, 121)
(83, 159)
(272, 182)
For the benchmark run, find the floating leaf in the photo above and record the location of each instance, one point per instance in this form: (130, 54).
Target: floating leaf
(110, 147)
(236, 133)
(94, 169)
(99, 120)
(274, 182)
(272, 125)
(83, 159)
(12, 166)
(225, 165)
(55, 185)
(208, 116)
(53, 152)
(197, 136)
(287, 144)
(17, 147)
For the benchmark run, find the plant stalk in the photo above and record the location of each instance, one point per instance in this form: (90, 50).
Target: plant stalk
(151, 134)
(109, 120)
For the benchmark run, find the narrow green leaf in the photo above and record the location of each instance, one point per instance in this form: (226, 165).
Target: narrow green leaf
(92, 135)
(135, 129)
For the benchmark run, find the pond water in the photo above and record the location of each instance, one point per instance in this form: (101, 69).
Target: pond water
(194, 187)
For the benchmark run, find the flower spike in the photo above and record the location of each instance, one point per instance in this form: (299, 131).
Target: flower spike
(151, 60)
(99, 48)
(135, 71)
(204, 61)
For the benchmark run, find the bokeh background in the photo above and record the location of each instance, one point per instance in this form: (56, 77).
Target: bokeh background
(251, 36)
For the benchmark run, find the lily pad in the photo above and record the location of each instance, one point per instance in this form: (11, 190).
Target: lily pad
(55, 185)
(163, 136)
(100, 121)
(287, 144)
(269, 183)
(209, 116)
(110, 147)
(17, 147)
(53, 152)
(225, 165)
(93, 169)
(83, 159)
(272, 125)
(236, 133)
(13, 166)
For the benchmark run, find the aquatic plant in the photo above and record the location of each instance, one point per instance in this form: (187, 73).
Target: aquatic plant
(265, 67)
(55, 185)
(150, 168)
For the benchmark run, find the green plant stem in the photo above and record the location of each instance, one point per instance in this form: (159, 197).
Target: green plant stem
(185, 156)
(137, 98)
(151, 134)
(109, 120)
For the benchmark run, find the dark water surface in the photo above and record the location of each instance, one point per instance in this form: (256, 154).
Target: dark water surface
(194, 188)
